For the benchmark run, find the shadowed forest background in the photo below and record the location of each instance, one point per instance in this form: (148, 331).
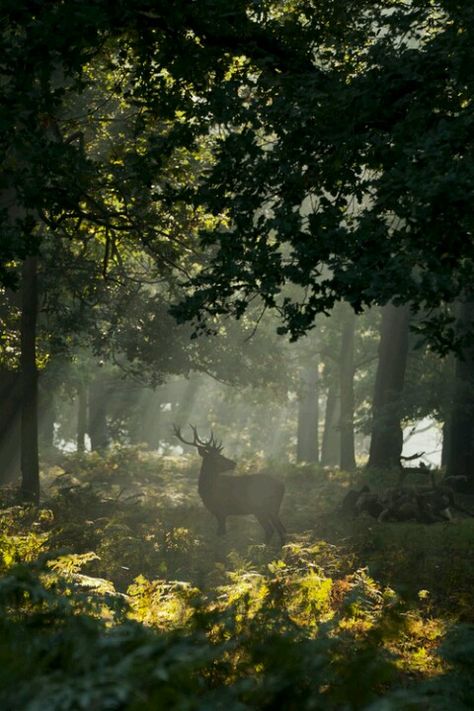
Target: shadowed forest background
(251, 221)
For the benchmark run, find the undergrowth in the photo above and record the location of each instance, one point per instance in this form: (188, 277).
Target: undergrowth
(117, 594)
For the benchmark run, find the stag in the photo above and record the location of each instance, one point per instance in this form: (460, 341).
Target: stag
(257, 494)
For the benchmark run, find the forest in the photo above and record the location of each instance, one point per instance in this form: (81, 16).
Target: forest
(236, 355)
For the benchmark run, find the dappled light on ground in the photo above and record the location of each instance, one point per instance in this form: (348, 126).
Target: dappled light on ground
(124, 558)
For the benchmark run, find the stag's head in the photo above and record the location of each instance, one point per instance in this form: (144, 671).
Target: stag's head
(210, 450)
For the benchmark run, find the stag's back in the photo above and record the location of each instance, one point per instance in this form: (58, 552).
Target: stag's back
(252, 494)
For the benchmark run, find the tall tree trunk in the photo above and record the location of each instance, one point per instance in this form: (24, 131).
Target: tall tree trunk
(81, 417)
(10, 430)
(445, 453)
(331, 444)
(448, 401)
(460, 434)
(347, 460)
(98, 429)
(387, 436)
(47, 417)
(136, 399)
(30, 487)
(10, 402)
(307, 449)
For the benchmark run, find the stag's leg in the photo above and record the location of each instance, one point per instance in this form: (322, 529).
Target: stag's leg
(281, 530)
(221, 527)
(266, 524)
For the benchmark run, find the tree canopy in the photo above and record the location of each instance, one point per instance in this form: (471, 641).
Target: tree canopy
(331, 144)
(347, 172)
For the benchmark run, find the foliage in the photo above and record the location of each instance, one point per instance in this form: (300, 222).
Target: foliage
(331, 167)
(195, 623)
(309, 151)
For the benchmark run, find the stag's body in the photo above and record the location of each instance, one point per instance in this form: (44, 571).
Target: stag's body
(257, 494)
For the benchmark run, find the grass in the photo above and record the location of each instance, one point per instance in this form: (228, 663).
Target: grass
(148, 508)
(125, 540)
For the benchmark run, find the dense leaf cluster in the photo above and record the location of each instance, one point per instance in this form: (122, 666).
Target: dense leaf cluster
(351, 178)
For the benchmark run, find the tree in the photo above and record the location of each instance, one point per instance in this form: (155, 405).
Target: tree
(387, 435)
(65, 184)
(29, 382)
(347, 369)
(348, 351)
(330, 445)
(307, 437)
(460, 426)
(357, 124)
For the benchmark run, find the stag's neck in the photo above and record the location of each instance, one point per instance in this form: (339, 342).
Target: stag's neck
(207, 480)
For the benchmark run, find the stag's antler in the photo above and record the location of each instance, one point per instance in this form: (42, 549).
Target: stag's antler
(177, 433)
(200, 441)
(197, 441)
(214, 443)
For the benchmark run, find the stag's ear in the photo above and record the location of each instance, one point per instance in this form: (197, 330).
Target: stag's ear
(201, 450)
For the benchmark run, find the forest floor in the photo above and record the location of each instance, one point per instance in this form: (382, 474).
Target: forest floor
(126, 537)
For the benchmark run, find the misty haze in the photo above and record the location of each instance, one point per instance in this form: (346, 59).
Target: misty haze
(236, 355)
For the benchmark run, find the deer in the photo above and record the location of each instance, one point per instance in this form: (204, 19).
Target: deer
(257, 494)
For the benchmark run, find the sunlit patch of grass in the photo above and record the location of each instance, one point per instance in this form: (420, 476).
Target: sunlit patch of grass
(416, 645)
(20, 548)
(160, 604)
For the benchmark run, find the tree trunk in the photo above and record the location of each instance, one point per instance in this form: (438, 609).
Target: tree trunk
(331, 444)
(460, 431)
(136, 401)
(30, 488)
(445, 453)
(387, 435)
(10, 430)
(98, 430)
(81, 417)
(47, 417)
(307, 449)
(347, 460)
